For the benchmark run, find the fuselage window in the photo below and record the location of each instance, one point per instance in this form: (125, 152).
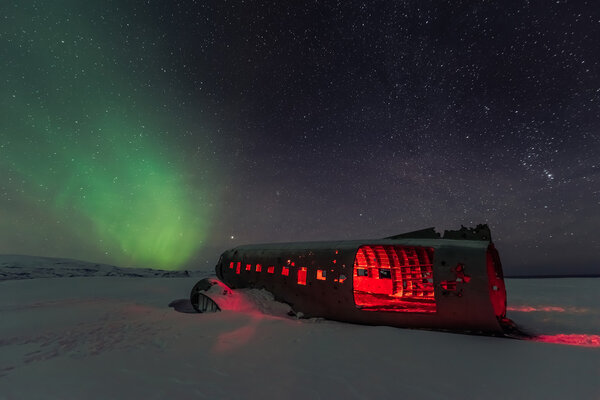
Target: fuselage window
(385, 273)
(321, 274)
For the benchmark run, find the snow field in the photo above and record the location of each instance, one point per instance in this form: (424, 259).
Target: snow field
(117, 337)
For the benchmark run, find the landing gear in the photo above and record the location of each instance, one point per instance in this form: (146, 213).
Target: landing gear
(200, 301)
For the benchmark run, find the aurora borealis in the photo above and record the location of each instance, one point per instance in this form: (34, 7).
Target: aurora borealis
(159, 134)
(85, 146)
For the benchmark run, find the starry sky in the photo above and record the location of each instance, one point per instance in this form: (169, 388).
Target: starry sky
(161, 133)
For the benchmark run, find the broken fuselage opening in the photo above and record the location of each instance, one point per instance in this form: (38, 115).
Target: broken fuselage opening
(394, 278)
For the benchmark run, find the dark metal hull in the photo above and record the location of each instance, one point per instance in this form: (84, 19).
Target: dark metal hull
(449, 283)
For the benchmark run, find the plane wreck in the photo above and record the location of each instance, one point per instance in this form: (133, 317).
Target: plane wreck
(418, 279)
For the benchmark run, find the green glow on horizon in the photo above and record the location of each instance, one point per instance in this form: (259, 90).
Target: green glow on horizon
(135, 200)
(86, 139)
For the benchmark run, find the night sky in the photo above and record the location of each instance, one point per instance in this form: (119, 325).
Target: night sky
(161, 133)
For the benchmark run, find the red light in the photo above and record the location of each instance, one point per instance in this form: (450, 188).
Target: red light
(536, 309)
(394, 278)
(285, 271)
(271, 269)
(258, 268)
(231, 265)
(573, 310)
(302, 276)
(321, 275)
(459, 277)
(496, 282)
(238, 267)
(573, 340)
(248, 267)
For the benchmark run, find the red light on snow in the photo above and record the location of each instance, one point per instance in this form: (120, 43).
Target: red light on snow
(536, 309)
(302, 276)
(321, 275)
(238, 266)
(571, 339)
(235, 339)
(258, 268)
(571, 310)
(285, 271)
(271, 269)
(394, 278)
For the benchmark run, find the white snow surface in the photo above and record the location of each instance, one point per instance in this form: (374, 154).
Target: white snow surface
(124, 337)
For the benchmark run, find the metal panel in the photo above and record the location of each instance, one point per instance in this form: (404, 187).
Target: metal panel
(460, 279)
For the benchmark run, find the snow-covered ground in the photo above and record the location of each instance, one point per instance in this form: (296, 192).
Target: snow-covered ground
(125, 337)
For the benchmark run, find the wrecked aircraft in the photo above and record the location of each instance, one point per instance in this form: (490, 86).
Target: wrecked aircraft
(413, 280)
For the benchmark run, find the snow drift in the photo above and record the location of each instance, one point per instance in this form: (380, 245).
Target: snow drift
(96, 336)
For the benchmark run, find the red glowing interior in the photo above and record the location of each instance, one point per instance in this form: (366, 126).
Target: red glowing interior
(238, 266)
(302, 276)
(321, 275)
(285, 271)
(271, 269)
(258, 268)
(394, 278)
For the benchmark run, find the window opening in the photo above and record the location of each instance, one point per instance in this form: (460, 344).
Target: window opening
(302, 276)
(321, 275)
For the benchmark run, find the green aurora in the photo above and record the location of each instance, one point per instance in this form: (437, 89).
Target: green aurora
(87, 143)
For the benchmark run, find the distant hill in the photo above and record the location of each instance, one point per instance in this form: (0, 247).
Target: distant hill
(552, 276)
(32, 267)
